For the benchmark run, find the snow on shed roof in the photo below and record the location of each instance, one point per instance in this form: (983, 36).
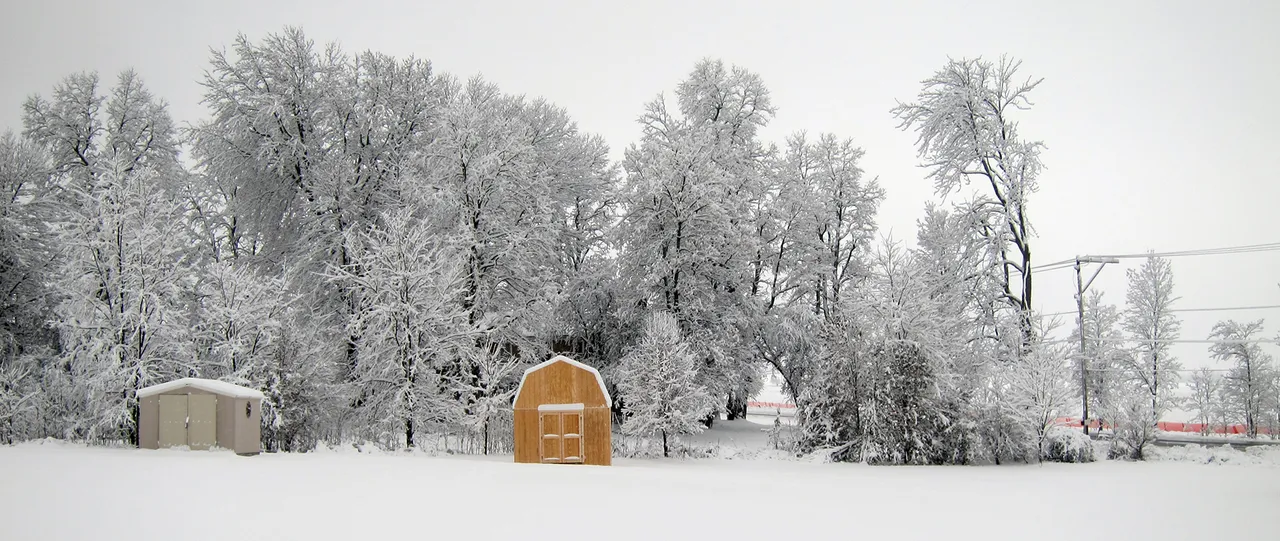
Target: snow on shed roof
(561, 358)
(210, 385)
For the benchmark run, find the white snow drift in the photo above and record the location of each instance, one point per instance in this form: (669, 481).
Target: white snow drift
(53, 490)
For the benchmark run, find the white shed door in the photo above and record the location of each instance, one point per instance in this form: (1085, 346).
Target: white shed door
(173, 420)
(202, 414)
(189, 420)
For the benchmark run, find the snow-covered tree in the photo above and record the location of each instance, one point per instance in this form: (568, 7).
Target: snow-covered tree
(831, 403)
(812, 237)
(125, 271)
(309, 148)
(964, 116)
(1151, 324)
(524, 197)
(690, 204)
(249, 329)
(1269, 407)
(1249, 382)
(1207, 399)
(903, 420)
(960, 275)
(1103, 356)
(26, 248)
(27, 255)
(1036, 392)
(878, 391)
(272, 129)
(657, 380)
(1134, 423)
(588, 301)
(301, 150)
(837, 218)
(305, 401)
(409, 322)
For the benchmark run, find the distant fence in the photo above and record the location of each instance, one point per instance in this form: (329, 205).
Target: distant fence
(771, 405)
(1193, 428)
(1167, 426)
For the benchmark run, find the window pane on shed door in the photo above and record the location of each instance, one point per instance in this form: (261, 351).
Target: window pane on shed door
(573, 449)
(572, 423)
(551, 449)
(551, 424)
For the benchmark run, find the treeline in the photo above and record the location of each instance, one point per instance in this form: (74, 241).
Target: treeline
(382, 249)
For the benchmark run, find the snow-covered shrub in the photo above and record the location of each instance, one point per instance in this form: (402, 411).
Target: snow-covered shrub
(1062, 444)
(1135, 428)
(1217, 454)
(631, 446)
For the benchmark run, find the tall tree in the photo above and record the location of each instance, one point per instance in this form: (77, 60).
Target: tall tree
(960, 274)
(125, 268)
(1249, 382)
(838, 209)
(1206, 398)
(302, 147)
(1103, 355)
(409, 321)
(965, 120)
(690, 204)
(272, 128)
(1151, 324)
(26, 250)
(524, 199)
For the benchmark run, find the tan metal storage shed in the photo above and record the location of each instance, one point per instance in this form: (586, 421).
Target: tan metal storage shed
(562, 415)
(200, 414)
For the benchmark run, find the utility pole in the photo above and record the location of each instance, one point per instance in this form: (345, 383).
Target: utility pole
(1081, 287)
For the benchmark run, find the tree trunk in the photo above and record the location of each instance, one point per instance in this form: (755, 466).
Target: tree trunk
(666, 451)
(132, 429)
(408, 431)
(737, 406)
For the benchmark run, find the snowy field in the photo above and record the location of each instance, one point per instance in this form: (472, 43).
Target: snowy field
(53, 490)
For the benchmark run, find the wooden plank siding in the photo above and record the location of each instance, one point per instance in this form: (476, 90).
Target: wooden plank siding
(563, 383)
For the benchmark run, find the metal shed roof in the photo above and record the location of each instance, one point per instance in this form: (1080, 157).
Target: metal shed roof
(210, 385)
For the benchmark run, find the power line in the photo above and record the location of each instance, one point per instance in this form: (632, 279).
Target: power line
(1146, 371)
(1221, 309)
(1227, 250)
(1268, 247)
(1262, 307)
(1169, 341)
(1057, 265)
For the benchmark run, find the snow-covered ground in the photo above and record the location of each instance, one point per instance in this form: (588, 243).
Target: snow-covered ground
(53, 490)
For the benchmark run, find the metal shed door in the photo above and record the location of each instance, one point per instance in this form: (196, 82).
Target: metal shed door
(202, 414)
(173, 421)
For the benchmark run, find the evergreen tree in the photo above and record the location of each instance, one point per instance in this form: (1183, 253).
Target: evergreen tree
(657, 379)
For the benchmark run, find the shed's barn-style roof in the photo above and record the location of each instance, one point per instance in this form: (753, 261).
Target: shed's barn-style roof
(562, 359)
(210, 385)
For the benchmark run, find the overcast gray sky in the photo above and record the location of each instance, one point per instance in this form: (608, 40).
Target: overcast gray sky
(1160, 117)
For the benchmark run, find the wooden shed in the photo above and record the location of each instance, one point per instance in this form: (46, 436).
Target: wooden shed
(562, 415)
(200, 414)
